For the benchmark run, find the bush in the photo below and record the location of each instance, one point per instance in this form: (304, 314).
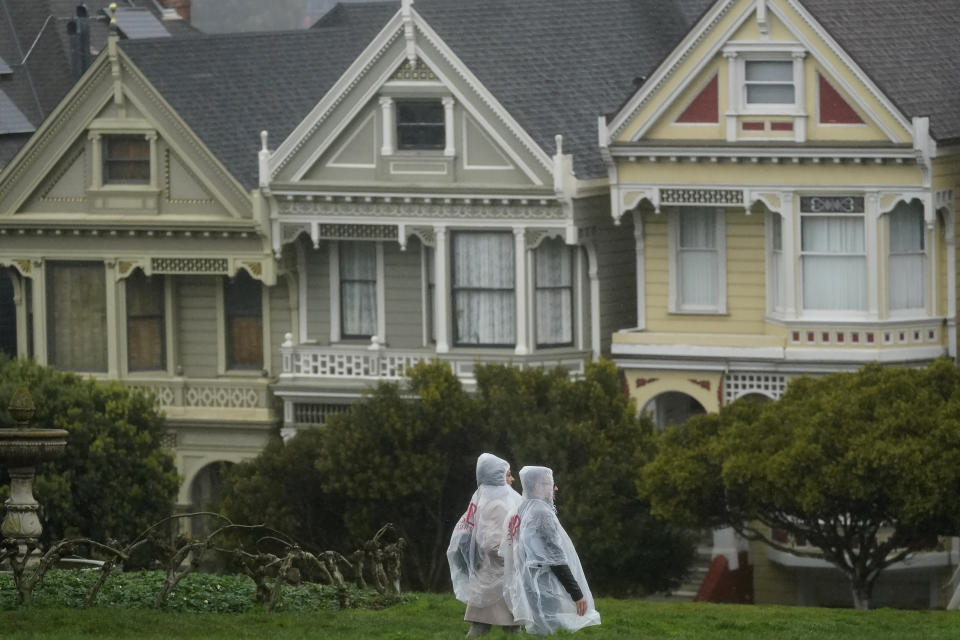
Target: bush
(115, 479)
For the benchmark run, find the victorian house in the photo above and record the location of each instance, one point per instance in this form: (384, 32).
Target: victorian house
(790, 188)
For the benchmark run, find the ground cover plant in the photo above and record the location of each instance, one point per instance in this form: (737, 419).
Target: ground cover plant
(436, 616)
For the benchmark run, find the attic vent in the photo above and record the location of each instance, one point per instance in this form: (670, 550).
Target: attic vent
(419, 71)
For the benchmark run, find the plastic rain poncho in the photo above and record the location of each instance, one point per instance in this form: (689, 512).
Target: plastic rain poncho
(476, 567)
(534, 542)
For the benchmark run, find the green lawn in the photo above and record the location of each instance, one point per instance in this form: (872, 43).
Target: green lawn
(435, 616)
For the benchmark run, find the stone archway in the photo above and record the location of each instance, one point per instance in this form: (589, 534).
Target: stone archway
(206, 491)
(672, 407)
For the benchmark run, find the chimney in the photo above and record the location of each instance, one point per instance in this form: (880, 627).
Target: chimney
(78, 30)
(182, 7)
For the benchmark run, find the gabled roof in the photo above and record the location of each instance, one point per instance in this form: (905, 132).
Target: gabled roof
(555, 65)
(230, 87)
(909, 49)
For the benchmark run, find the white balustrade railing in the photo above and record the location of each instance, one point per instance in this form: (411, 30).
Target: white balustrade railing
(201, 393)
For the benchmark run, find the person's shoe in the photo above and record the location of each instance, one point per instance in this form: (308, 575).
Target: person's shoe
(478, 629)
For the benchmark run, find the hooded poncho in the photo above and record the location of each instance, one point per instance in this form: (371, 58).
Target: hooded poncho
(476, 567)
(534, 542)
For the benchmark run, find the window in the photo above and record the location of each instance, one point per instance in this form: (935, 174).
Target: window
(834, 263)
(769, 82)
(77, 316)
(699, 267)
(244, 318)
(146, 343)
(908, 259)
(358, 289)
(554, 293)
(484, 303)
(126, 160)
(420, 124)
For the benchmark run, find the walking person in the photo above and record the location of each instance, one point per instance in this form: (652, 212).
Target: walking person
(476, 567)
(544, 584)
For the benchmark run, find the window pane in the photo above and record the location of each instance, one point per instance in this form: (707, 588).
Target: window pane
(698, 229)
(420, 124)
(146, 345)
(906, 228)
(244, 316)
(831, 234)
(769, 70)
(698, 278)
(777, 232)
(554, 293)
(483, 295)
(834, 283)
(126, 159)
(358, 289)
(770, 94)
(77, 316)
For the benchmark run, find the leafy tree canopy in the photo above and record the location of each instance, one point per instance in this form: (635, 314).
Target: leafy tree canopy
(864, 466)
(115, 478)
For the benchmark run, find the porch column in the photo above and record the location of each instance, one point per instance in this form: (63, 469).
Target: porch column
(788, 244)
(520, 269)
(441, 290)
(39, 292)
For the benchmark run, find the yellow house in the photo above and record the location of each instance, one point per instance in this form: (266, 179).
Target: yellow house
(789, 184)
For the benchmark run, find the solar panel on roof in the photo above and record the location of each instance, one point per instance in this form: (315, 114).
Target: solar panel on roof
(4, 68)
(12, 119)
(139, 23)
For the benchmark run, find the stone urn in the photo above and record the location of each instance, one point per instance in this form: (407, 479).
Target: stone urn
(21, 449)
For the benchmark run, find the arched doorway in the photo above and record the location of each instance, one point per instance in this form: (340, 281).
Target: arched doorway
(206, 492)
(8, 316)
(672, 407)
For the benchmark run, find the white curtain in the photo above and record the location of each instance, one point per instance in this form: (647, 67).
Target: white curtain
(908, 259)
(358, 289)
(483, 288)
(834, 264)
(698, 259)
(554, 272)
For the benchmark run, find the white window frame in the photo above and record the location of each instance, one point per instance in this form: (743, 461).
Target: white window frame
(777, 287)
(169, 330)
(737, 54)
(336, 333)
(675, 304)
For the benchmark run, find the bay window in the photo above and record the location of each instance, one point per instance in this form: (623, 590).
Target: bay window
(244, 319)
(484, 301)
(554, 293)
(77, 316)
(834, 264)
(146, 344)
(908, 260)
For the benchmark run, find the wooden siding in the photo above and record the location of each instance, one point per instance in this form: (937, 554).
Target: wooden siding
(403, 282)
(318, 292)
(195, 298)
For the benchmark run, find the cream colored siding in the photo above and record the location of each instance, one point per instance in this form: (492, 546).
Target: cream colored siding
(403, 288)
(195, 298)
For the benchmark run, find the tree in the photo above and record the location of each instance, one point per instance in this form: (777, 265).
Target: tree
(588, 432)
(864, 466)
(408, 455)
(115, 478)
(393, 459)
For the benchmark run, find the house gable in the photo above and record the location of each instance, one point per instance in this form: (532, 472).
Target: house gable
(752, 48)
(78, 165)
(355, 136)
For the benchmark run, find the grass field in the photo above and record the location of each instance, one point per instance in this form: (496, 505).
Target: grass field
(437, 616)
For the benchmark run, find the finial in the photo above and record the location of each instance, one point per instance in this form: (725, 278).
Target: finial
(559, 140)
(263, 140)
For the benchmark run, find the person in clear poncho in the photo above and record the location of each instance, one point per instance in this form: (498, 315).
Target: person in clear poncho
(476, 567)
(543, 581)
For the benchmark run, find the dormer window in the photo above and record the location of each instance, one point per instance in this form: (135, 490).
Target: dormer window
(769, 82)
(126, 159)
(421, 124)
